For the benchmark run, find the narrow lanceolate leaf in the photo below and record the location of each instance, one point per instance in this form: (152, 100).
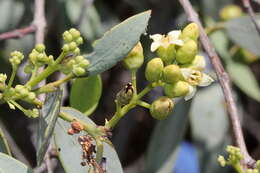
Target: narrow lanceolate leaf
(244, 78)
(4, 147)
(47, 121)
(11, 165)
(116, 43)
(243, 32)
(209, 127)
(165, 140)
(70, 151)
(85, 94)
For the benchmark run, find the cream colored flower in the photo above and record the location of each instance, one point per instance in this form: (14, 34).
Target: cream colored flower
(165, 41)
(195, 78)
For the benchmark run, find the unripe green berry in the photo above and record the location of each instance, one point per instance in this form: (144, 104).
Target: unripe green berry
(230, 12)
(187, 52)
(171, 74)
(78, 71)
(40, 48)
(191, 31)
(84, 63)
(161, 108)
(66, 48)
(135, 58)
(153, 71)
(177, 89)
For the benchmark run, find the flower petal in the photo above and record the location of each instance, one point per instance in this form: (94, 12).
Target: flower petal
(156, 37)
(155, 46)
(192, 91)
(174, 35)
(177, 42)
(199, 63)
(206, 80)
(186, 72)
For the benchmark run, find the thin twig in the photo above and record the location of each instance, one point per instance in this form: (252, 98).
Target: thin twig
(224, 82)
(251, 13)
(39, 20)
(18, 33)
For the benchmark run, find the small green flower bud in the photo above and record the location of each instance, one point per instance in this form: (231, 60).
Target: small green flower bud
(161, 108)
(31, 96)
(191, 31)
(79, 41)
(135, 58)
(68, 38)
(221, 161)
(34, 113)
(77, 51)
(40, 48)
(84, 63)
(171, 74)
(177, 89)
(79, 59)
(75, 33)
(66, 48)
(3, 78)
(125, 95)
(187, 52)
(78, 71)
(72, 46)
(154, 68)
(167, 54)
(230, 12)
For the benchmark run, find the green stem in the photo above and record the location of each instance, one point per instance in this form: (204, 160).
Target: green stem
(238, 168)
(143, 104)
(133, 78)
(100, 149)
(120, 113)
(89, 128)
(46, 72)
(53, 86)
(216, 27)
(11, 80)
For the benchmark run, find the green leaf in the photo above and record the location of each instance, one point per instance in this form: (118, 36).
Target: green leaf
(70, 152)
(49, 115)
(165, 139)
(209, 127)
(90, 25)
(4, 147)
(242, 31)
(11, 165)
(221, 44)
(85, 94)
(116, 43)
(244, 78)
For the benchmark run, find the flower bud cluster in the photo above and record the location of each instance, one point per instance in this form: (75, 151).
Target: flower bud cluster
(72, 40)
(178, 66)
(3, 78)
(38, 58)
(77, 65)
(16, 58)
(23, 92)
(32, 113)
(234, 158)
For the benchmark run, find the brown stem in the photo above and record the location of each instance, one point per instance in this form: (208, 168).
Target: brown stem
(224, 82)
(251, 13)
(18, 33)
(39, 20)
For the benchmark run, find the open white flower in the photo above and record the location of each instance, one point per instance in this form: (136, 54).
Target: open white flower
(165, 41)
(195, 78)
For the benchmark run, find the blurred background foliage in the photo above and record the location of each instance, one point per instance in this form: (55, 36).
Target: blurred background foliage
(194, 134)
